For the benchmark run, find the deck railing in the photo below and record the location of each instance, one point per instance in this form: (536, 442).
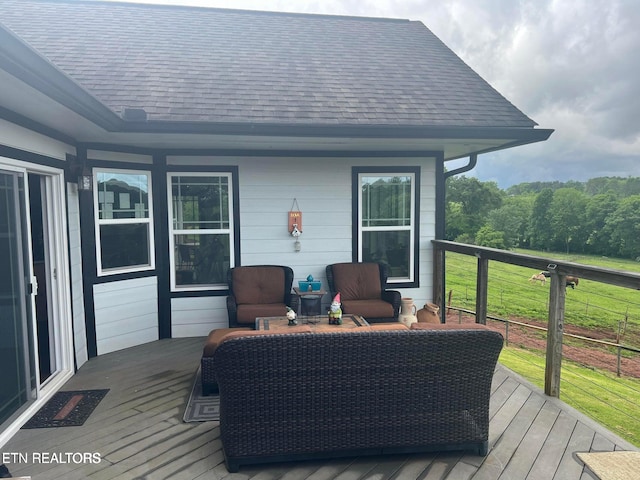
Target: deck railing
(558, 271)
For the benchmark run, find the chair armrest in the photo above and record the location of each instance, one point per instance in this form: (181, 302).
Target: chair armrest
(294, 302)
(393, 297)
(232, 310)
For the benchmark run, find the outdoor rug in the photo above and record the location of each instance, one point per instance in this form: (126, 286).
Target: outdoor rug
(67, 409)
(619, 465)
(201, 408)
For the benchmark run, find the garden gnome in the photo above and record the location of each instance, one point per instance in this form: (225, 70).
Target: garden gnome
(335, 311)
(291, 316)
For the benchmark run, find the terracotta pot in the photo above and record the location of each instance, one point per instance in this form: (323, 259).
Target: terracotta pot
(429, 313)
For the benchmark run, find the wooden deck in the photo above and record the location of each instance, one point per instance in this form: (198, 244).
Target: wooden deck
(138, 432)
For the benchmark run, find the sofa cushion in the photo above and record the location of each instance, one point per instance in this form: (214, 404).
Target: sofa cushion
(220, 335)
(386, 327)
(248, 313)
(368, 308)
(357, 281)
(448, 326)
(216, 336)
(256, 285)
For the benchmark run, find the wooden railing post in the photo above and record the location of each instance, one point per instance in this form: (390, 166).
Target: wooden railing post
(438, 281)
(557, 294)
(482, 282)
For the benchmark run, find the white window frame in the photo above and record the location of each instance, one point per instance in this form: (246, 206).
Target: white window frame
(123, 221)
(211, 231)
(410, 228)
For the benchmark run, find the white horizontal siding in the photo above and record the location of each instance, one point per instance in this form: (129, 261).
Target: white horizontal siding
(322, 188)
(119, 156)
(21, 138)
(197, 316)
(77, 292)
(427, 221)
(126, 313)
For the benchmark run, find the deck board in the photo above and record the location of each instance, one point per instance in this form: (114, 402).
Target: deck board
(139, 432)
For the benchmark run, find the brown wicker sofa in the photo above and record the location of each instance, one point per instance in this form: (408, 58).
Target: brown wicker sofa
(321, 395)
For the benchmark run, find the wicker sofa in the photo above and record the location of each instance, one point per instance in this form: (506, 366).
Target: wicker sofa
(321, 395)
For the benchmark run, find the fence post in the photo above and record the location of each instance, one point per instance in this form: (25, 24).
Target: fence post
(506, 332)
(557, 294)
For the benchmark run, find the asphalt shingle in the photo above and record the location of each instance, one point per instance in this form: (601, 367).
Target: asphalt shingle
(216, 65)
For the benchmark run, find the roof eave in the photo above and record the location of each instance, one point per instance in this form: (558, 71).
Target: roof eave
(26, 64)
(339, 130)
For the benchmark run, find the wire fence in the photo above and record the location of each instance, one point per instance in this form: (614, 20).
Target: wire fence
(590, 352)
(600, 373)
(604, 320)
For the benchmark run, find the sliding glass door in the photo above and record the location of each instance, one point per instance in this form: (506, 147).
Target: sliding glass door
(17, 375)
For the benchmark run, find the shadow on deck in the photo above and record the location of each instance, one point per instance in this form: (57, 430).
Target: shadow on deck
(138, 432)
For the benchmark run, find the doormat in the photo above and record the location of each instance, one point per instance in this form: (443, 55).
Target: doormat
(200, 408)
(618, 465)
(67, 409)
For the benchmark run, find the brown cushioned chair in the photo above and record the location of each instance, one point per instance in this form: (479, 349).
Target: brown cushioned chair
(259, 291)
(362, 288)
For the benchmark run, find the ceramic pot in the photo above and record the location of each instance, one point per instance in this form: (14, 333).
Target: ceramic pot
(407, 311)
(429, 313)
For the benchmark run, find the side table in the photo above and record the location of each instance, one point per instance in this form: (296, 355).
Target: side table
(310, 301)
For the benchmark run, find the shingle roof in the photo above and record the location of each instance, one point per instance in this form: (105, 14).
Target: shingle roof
(216, 65)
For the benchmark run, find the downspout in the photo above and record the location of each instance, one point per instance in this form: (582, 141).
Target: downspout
(473, 159)
(439, 293)
(442, 177)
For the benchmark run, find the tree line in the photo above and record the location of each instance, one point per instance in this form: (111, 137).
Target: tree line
(600, 216)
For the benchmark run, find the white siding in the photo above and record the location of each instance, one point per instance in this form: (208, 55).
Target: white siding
(322, 188)
(119, 156)
(75, 260)
(126, 313)
(196, 317)
(21, 138)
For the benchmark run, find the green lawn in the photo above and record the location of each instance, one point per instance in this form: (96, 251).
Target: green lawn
(609, 400)
(614, 311)
(512, 295)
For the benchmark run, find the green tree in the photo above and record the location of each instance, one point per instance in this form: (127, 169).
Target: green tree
(624, 225)
(476, 200)
(567, 218)
(540, 233)
(512, 218)
(599, 208)
(488, 237)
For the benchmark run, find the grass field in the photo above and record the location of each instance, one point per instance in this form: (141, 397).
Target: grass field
(609, 400)
(611, 311)
(512, 295)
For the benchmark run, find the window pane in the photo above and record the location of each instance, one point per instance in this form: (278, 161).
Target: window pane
(201, 259)
(389, 248)
(124, 245)
(122, 195)
(200, 203)
(386, 201)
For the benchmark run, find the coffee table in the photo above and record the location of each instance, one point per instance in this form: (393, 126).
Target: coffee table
(319, 322)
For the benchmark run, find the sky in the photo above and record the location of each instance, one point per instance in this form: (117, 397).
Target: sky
(570, 65)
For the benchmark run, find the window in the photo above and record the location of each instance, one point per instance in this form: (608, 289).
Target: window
(201, 230)
(124, 233)
(387, 222)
